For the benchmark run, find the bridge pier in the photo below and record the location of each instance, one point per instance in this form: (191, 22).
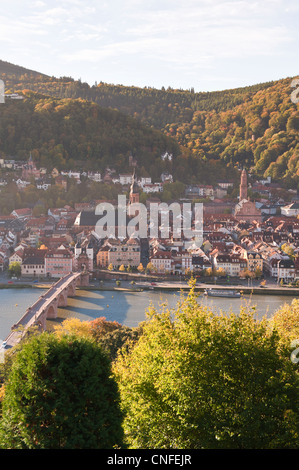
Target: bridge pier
(84, 279)
(71, 291)
(42, 322)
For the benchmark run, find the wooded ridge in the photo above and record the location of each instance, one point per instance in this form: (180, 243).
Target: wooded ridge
(254, 127)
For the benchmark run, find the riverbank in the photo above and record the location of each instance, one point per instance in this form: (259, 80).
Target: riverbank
(169, 287)
(279, 291)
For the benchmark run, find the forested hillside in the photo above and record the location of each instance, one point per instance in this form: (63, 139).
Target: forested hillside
(67, 133)
(256, 126)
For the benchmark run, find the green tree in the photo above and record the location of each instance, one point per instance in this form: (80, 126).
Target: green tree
(14, 269)
(199, 380)
(60, 394)
(258, 273)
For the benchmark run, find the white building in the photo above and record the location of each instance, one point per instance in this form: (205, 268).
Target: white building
(292, 210)
(145, 180)
(17, 256)
(22, 183)
(162, 261)
(152, 188)
(97, 177)
(72, 174)
(125, 179)
(286, 270)
(166, 178)
(187, 261)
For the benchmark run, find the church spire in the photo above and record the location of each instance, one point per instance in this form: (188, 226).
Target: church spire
(134, 192)
(243, 186)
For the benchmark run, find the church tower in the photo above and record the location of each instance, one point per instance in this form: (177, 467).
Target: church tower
(134, 195)
(243, 186)
(134, 191)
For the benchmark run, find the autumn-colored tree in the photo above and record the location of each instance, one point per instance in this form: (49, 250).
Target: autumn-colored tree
(100, 327)
(73, 326)
(286, 320)
(288, 249)
(140, 268)
(209, 272)
(220, 272)
(150, 267)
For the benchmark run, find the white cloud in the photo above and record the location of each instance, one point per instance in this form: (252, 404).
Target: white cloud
(184, 38)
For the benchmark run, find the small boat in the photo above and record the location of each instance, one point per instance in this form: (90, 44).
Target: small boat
(233, 293)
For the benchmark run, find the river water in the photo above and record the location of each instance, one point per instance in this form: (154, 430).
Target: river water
(127, 308)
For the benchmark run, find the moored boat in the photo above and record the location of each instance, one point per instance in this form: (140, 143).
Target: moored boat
(233, 293)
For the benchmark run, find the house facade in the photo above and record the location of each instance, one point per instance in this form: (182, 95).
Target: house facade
(127, 254)
(162, 261)
(58, 263)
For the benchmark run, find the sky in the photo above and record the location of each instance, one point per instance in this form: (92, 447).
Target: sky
(206, 45)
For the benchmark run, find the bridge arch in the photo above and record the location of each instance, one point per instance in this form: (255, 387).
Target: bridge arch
(62, 299)
(51, 311)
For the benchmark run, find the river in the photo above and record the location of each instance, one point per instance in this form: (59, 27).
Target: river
(127, 308)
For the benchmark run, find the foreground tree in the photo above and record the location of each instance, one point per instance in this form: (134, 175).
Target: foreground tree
(198, 380)
(60, 394)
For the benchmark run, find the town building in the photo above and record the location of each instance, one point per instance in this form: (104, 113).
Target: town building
(254, 261)
(125, 179)
(33, 262)
(291, 210)
(59, 262)
(162, 261)
(286, 270)
(125, 253)
(29, 170)
(102, 257)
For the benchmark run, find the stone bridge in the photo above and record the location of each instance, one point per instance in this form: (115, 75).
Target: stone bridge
(47, 305)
